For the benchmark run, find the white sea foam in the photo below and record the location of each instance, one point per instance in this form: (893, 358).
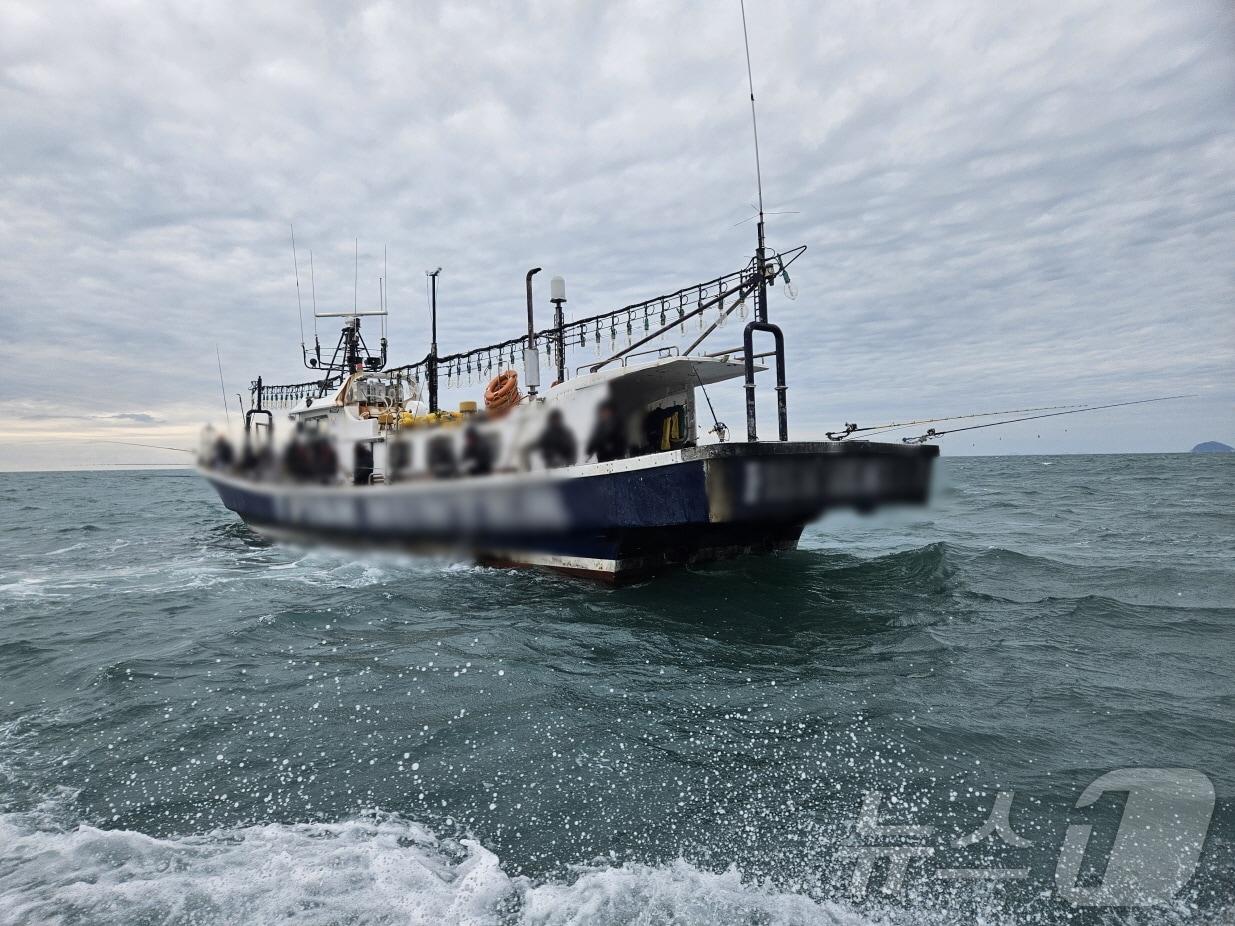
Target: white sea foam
(380, 869)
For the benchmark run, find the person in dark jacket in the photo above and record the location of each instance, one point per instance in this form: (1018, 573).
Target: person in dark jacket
(298, 458)
(224, 456)
(607, 441)
(556, 444)
(477, 456)
(325, 460)
(362, 463)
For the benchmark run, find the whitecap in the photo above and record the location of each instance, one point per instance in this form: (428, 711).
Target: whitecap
(378, 868)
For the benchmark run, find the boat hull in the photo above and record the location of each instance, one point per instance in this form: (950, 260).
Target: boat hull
(616, 522)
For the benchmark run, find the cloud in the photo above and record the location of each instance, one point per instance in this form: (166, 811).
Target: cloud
(135, 417)
(138, 417)
(1000, 207)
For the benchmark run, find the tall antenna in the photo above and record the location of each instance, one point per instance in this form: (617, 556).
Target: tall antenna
(356, 277)
(761, 304)
(313, 287)
(754, 124)
(299, 307)
(218, 357)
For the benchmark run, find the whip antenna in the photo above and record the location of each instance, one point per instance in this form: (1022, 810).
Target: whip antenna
(223, 388)
(754, 124)
(313, 288)
(299, 307)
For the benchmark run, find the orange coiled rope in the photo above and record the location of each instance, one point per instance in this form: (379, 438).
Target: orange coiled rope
(502, 394)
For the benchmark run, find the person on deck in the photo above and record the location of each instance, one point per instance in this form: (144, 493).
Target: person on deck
(556, 444)
(477, 456)
(224, 456)
(607, 441)
(298, 458)
(325, 460)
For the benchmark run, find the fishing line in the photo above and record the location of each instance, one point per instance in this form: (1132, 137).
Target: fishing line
(132, 443)
(881, 428)
(932, 433)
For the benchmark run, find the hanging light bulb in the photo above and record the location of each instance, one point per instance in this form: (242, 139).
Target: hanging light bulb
(647, 322)
(662, 314)
(612, 333)
(791, 291)
(720, 319)
(742, 308)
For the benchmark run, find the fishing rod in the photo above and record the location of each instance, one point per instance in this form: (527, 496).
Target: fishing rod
(851, 428)
(931, 433)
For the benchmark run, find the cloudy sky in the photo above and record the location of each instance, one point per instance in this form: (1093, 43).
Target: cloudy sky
(1006, 205)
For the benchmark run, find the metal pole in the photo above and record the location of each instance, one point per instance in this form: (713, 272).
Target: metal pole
(531, 325)
(748, 359)
(432, 371)
(559, 322)
(352, 350)
(761, 307)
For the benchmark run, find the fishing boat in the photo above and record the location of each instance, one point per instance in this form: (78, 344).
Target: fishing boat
(608, 472)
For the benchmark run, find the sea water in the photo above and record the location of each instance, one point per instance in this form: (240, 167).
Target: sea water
(197, 726)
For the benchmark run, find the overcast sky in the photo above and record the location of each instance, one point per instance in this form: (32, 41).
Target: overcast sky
(1006, 205)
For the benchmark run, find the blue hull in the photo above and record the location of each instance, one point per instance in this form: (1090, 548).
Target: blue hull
(617, 521)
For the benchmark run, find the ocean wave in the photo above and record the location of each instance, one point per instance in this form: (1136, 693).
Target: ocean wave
(378, 868)
(381, 868)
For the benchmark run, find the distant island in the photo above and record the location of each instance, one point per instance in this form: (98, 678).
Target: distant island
(1213, 446)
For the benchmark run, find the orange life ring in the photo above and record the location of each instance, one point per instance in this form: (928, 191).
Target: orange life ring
(502, 394)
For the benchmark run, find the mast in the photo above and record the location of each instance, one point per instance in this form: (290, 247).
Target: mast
(761, 322)
(761, 305)
(432, 366)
